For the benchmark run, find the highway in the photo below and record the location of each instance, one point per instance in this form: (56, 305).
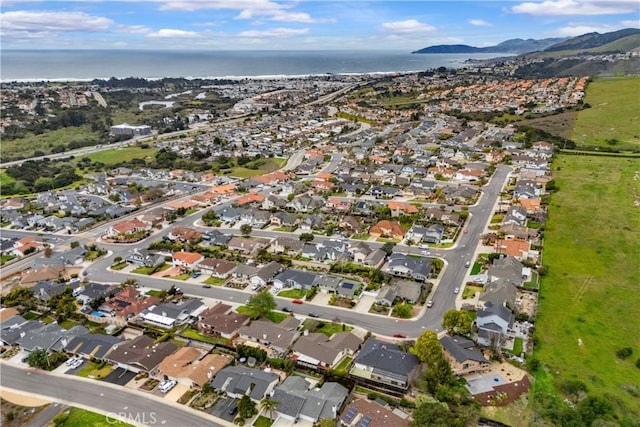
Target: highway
(115, 402)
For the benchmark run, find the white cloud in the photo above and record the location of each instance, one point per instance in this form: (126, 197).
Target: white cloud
(630, 24)
(274, 32)
(576, 7)
(44, 23)
(410, 26)
(173, 33)
(480, 23)
(249, 9)
(133, 29)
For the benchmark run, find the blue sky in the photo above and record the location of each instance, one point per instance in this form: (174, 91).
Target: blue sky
(307, 25)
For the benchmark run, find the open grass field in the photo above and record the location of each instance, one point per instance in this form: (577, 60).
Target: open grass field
(589, 296)
(270, 165)
(83, 418)
(25, 147)
(614, 114)
(118, 155)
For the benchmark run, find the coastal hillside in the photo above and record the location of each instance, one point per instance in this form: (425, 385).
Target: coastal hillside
(514, 46)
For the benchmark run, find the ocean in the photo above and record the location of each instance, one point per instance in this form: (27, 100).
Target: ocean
(65, 65)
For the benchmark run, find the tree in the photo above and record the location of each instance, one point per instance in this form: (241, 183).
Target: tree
(246, 407)
(245, 230)
(306, 237)
(261, 304)
(410, 243)
(457, 322)
(403, 311)
(429, 351)
(387, 248)
(268, 405)
(74, 244)
(433, 414)
(18, 296)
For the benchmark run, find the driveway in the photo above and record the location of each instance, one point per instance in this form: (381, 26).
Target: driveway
(120, 377)
(221, 408)
(364, 304)
(176, 392)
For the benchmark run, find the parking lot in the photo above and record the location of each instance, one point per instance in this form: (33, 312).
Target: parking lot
(222, 407)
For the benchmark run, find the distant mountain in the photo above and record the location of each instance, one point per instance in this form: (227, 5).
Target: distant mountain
(515, 46)
(591, 40)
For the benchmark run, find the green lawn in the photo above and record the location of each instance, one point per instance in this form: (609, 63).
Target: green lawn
(292, 293)
(262, 422)
(517, 346)
(6, 179)
(92, 255)
(470, 291)
(590, 291)
(274, 316)
(155, 293)
(90, 370)
(613, 115)
(6, 258)
(215, 281)
(270, 165)
(83, 418)
(150, 270)
(118, 155)
(68, 324)
(25, 147)
(195, 335)
(342, 366)
(30, 315)
(533, 283)
(119, 266)
(327, 328)
(477, 267)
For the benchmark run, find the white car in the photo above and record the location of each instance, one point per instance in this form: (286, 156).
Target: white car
(77, 363)
(165, 386)
(456, 290)
(72, 361)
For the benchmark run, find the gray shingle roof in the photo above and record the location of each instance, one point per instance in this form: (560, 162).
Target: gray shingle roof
(462, 349)
(238, 380)
(387, 358)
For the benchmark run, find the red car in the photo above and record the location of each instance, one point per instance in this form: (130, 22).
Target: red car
(297, 301)
(399, 335)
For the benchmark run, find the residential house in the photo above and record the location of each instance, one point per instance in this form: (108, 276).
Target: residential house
(94, 291)
(265, 275)
(296, 279)
(128, 227)
(276, 336)
(463, 355)
(127, 303)
(238, 381)
(311, 222)
(230, 214)
(217, 267)
(192, 367)
(431, 234)
(244, 272)
(51, 337)
(92, 346)
(168, 315)
(296, 402)
(516, 248)
(256, 218)
(384, 365)
(328, 283)
(143, 258)
(498, 292)
(141, 354)
(515, 215)
(402, 265)
(387, 229)
(349, 224)
(220, 321)
(187, 260)
(184, 234)
(287, 246)
(493, 321)
(283, 219)
(273, 202)
(364, 412)
(246, 244)
(401, 208)
(508, 268)
(305, 203)
(400, 290)
(319, 352)
(348, 289)
(215, 238)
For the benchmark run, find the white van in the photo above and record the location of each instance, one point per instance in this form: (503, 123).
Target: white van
(165, 386)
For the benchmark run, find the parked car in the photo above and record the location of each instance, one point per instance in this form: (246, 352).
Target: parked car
(167, 385)
(297, 301)
(286, 309)
(233, 410)
(430, 303)
(456, 290)
(314, 315)
(196, 274)
(467, 264)
(399, 335)
(206, 286)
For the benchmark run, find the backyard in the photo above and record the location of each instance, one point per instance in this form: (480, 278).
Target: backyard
(327, 328)
(588, 295)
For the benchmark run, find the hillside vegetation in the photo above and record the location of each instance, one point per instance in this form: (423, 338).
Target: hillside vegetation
(588, 298)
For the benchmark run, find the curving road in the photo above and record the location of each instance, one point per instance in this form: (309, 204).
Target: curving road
(114, 401)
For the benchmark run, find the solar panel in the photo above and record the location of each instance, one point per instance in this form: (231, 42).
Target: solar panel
(365, 422)
(347, 285)
(350, 414)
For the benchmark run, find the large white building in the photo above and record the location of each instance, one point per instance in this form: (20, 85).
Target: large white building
(127, 129)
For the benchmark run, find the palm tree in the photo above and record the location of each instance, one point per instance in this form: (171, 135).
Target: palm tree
(268, 405)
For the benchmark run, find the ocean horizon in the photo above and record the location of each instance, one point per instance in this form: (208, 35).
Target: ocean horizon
(86, 65)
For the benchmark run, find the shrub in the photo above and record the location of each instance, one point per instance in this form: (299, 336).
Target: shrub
(638, 363)
(624, 353)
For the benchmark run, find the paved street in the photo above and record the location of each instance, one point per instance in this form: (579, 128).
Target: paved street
(132, 407)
